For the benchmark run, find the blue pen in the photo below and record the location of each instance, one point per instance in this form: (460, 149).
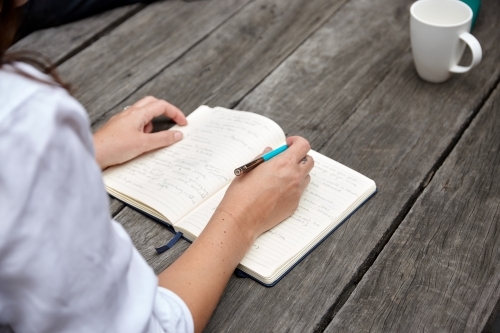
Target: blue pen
(266, 157)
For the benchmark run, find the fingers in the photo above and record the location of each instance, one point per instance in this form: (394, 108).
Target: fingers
(152, 107)
(297, 147)
(144, 101)
(306, 164)
(305, 183)
(148, 128)
(161, 107)
(148, 108)
(266, 150)
(160, 139)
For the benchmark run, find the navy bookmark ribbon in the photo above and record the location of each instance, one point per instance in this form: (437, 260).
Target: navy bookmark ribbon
(170, 243)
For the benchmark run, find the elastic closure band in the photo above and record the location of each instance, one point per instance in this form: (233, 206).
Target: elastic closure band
(170, 244)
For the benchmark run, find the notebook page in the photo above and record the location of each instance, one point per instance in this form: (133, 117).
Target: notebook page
(333, 190)
(176, 179)
(194, 222)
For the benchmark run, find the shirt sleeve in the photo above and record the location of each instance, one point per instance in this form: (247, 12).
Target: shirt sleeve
(170, 314)
(66, 266)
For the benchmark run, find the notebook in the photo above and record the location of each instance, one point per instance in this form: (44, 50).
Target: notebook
(181, 186)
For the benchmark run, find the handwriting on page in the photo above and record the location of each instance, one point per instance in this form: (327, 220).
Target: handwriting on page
(198, 219)
(176, 179)
(332, 190)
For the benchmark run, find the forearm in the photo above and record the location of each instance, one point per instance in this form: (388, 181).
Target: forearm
(253, 203)
(200, 275)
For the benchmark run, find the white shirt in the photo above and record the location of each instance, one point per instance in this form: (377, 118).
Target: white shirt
(65, 266)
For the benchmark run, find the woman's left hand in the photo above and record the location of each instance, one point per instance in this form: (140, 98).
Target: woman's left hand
(128, 134)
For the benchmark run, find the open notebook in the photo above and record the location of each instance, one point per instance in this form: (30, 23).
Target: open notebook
(181, 186)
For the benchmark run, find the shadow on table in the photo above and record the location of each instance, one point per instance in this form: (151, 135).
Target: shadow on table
(496, 326)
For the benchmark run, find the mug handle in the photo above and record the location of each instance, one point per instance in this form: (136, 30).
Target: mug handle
(476, 53)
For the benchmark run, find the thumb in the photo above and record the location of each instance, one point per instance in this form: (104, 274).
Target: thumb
(266, 150)
(161, 139)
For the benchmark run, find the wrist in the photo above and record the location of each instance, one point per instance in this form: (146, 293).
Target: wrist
(236, 225)
(101, 157)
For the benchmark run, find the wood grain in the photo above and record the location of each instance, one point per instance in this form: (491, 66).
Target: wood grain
(115, 206)
(317, 88)
(395, 136)
(115, 66)
(60, 43)
(440, 272)
(235, 58)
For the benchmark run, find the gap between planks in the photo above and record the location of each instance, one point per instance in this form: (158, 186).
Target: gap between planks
(361, 101)
(349, 289)
(251, 89)
(103, 116)
(292, 51)
(100, 34)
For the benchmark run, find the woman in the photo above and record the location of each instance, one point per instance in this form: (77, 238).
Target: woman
(64, 264)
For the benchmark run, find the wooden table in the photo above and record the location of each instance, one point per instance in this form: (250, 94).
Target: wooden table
(423, 255)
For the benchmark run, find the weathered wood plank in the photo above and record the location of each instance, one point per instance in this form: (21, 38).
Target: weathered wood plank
(59, 43)
(321, 85)
(237, 56)
(115, 66)
(440, 272)
(115, 206)
(395, 136)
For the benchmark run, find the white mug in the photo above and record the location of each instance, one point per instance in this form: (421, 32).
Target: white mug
(439, 30)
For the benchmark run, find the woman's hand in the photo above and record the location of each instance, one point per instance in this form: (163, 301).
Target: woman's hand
(254, 203)
(128, 134)
(265, 196)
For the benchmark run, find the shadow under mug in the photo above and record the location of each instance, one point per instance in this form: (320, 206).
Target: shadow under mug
(439, 31)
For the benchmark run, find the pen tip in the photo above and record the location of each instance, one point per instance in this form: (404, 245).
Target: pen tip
(237, 172)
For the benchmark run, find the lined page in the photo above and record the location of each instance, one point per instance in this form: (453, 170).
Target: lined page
(176, 179)
(333, 192)
(195, 222)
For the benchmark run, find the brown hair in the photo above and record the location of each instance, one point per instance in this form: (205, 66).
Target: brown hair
(10, 18)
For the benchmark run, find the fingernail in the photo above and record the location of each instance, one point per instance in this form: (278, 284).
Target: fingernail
(177, 136)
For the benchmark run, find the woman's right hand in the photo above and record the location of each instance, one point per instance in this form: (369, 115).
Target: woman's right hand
(254, 203)
(262, 198)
